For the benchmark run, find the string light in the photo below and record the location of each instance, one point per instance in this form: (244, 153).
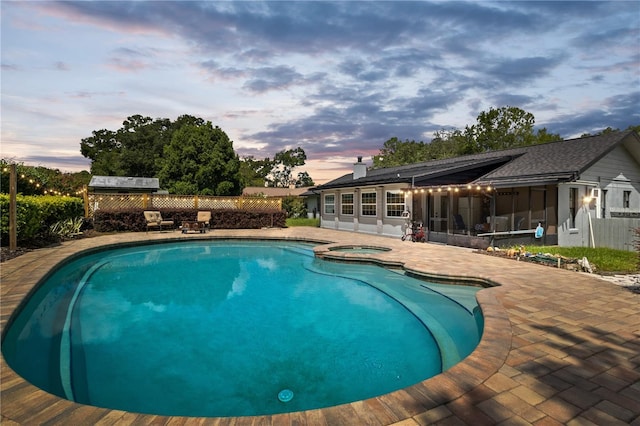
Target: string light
(37, 186)
(446, 188)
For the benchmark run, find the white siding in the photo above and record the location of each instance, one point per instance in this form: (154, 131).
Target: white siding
(617, 172)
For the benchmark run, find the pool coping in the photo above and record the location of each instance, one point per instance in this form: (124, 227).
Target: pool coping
(446, 396)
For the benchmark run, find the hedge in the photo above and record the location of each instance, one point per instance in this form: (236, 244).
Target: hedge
(133, 220)
(36, 213)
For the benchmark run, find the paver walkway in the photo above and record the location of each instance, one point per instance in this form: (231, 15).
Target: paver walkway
(559, 347)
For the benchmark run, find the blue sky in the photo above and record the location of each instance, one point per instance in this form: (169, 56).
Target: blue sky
(335, 78)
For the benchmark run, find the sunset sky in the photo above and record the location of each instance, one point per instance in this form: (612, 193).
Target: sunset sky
(335, 78)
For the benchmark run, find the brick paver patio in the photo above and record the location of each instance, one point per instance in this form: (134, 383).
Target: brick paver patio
(559, 347)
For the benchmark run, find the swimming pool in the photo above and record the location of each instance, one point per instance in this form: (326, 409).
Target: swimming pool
(197, 347)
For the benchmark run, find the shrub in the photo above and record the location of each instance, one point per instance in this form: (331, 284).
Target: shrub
(67, 228)
(133, 220)
(119, 220)
(294, 206)
(244, 219)
(36, 213)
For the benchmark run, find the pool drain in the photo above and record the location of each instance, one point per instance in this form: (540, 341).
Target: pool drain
(285, 395)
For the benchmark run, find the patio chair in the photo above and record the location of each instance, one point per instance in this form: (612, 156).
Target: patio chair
(458, 223)
(204, 217)
(518, 220)
(154, 220)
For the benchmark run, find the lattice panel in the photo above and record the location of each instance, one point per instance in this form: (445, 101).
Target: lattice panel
(171, 201)
(254, 203)
(217, 203)
(114, 202)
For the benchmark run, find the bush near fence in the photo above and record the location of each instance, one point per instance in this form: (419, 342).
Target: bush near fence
(248, 219)
(133, 220)
(36, 213)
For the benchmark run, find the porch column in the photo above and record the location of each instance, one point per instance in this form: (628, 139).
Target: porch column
(379, 211)
(338, 209)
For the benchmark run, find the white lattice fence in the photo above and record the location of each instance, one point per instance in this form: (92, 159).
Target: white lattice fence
(114, 202)
(217, 203)
(163, 201)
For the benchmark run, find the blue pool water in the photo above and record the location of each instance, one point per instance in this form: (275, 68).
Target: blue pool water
(233, 328)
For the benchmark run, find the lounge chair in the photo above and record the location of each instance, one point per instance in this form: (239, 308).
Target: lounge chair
(204, 218)
(458, 223)
(154, 220)
(518, 220)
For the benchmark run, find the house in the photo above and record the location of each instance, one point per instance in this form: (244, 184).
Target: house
(123, 184)
(578, 192)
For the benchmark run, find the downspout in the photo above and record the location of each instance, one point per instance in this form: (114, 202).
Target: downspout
(593, 242)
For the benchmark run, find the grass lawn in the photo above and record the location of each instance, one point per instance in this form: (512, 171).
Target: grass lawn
(302, 221)
(606, 260)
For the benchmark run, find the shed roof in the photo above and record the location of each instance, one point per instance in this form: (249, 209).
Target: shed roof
(123, 183)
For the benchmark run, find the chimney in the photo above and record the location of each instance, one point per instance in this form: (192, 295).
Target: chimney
(359, 169)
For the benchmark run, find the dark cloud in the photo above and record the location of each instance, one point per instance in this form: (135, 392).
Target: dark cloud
(58, 162)
(269, 78)
(10, 67)
(61, 66)
(518, 71)
(608, 38)
(618, 112)
(428, 101)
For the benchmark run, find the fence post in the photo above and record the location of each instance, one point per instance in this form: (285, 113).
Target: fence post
(13, 209)
(195, 202)
(145, 201)
(85, 198)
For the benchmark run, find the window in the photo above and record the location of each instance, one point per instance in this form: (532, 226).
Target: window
(368, 203)
(626, 196)
(573, 206)
(346, 204)
(329, 204)
(395, 203)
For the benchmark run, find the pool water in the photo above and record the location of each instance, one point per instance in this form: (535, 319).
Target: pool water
(233, 328)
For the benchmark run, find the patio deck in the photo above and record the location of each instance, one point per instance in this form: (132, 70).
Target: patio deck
(559, 347)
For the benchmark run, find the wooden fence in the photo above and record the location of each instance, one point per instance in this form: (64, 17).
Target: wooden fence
(93, 202)
(615, 233)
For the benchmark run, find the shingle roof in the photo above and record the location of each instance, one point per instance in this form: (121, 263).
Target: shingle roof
(557, 161)
(124, 183)
(535, 164)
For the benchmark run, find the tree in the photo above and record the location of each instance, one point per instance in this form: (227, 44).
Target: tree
(200, 160)
(285, 161)
(396, 153)
(304, 180)
(254, 172)
(103, 149)
(447, 144)
(608, 130)
(502, 128)
(132, 150)
(142, 143)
